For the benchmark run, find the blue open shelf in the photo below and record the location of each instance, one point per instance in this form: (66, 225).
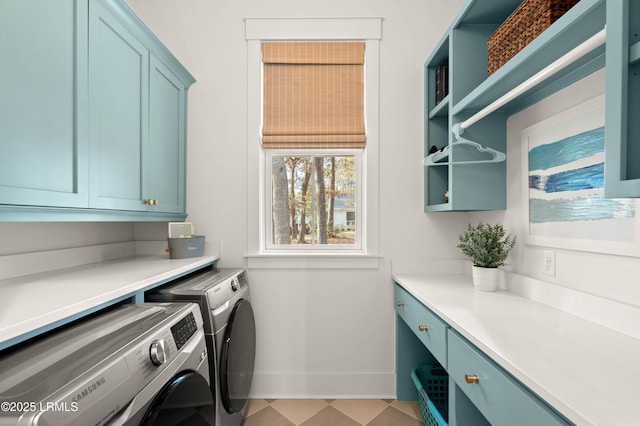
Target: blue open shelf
(464, 48)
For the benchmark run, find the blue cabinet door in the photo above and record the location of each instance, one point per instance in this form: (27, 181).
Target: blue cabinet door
(164, 151)
(502, 400)
(118, 112)
(427, 326)
(43, 103)
(622, 170)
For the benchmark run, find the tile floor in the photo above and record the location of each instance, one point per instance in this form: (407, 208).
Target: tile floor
(332, 412)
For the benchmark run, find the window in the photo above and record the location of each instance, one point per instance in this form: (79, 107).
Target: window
(313, 103)
(286, 215)
(314, 201)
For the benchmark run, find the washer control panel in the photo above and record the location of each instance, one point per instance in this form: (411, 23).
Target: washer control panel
(242, 279)
(223, 291)
(183, 330)
(234, 284)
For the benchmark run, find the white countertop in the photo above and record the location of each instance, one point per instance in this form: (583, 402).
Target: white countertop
(589, 373)
(31, 302)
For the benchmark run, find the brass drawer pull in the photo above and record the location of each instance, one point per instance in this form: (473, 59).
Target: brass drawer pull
(151, 202)
(400, 304)
(423, 328)
(471, 378)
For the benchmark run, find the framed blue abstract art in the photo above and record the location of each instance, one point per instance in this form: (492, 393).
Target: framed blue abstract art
(563, 186)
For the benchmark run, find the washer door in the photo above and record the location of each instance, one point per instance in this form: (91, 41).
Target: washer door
(185, 400)
(237, 357)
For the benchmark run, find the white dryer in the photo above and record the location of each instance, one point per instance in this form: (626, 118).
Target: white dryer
(137, 364)
(229, 325)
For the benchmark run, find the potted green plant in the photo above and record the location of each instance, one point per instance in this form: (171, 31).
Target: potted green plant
(488, 247)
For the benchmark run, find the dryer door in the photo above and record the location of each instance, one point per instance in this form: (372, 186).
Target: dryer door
(237, 357)
(185, 400)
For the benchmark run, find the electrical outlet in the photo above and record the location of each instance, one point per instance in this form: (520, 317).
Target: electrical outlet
(549, 263)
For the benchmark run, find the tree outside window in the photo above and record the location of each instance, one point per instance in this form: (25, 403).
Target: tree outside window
(314, 200)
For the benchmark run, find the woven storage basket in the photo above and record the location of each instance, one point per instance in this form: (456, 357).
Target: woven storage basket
(529, 19)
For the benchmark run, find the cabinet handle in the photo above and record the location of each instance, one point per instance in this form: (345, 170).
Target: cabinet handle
(400, 304)
(150, 202)
(471, 378)
(423, 328)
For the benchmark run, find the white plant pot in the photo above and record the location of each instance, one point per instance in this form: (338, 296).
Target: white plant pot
(485, 279)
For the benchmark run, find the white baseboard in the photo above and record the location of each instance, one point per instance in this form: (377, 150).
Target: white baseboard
(301, 385)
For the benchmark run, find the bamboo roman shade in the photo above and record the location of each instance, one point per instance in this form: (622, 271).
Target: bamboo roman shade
(313, 95)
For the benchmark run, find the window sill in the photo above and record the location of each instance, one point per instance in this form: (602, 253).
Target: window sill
(312, 261)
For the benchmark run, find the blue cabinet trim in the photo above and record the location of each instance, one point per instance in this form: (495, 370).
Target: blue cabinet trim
(10, 213)
(139, 29)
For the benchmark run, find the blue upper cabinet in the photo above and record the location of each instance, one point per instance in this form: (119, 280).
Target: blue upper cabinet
(137, 115)
(461, 178)
(43, 97)
(92, 115)
(164, 150)
(622, 169)
(118, 112)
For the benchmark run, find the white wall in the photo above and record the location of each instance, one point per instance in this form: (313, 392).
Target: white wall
(609, 276)
(320, 332)
(18, 238)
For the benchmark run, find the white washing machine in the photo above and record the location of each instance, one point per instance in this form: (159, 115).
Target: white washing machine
(137, 364)
(229, 325)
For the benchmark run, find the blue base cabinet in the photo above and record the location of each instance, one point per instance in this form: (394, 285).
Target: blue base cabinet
(96, 131)
(462, 411)
(495, 394)
(480, 391)
(426, 326)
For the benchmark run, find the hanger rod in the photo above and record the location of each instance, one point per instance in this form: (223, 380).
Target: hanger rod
(568, 58)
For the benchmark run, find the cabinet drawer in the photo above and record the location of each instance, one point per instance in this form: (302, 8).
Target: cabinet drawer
(430, 329)
(501, 399)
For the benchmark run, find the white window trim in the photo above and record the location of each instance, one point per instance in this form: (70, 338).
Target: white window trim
(368, 30)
